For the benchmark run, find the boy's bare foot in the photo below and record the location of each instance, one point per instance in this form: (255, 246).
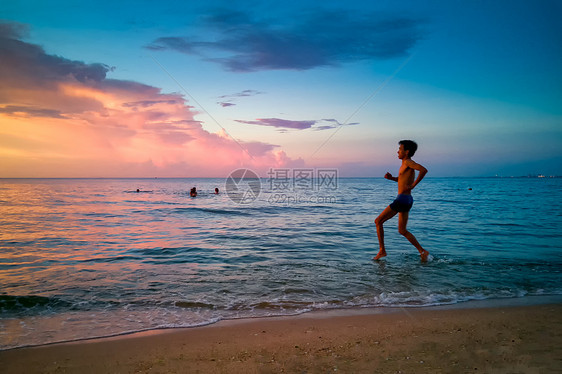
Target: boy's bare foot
(380, 255)
(424, 255)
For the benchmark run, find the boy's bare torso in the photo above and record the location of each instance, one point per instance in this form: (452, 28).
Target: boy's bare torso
(405, 179)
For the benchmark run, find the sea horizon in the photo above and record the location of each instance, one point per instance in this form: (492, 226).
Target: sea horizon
(346, 177)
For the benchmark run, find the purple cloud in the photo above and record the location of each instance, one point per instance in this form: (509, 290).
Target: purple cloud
(258, 149)
(280, 123)
(283, 124)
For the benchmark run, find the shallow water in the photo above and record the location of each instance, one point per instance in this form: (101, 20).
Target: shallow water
(82, 258)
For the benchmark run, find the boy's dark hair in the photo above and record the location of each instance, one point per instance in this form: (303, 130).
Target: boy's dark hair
(409, 145)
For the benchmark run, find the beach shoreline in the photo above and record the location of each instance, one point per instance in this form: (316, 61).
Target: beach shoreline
(474, 338)
(317, 313)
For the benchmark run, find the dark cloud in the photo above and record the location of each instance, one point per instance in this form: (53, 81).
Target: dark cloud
(122, 85)
(29, 111)
(228, 100)
(332, 124)
(13, 30)
(283, 124)
(244, 93)
(320, 38)
(28, 66)
(177, 43)
(149, 103)
(325, 127)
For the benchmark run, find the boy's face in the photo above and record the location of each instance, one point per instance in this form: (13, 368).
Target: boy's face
(402, 154)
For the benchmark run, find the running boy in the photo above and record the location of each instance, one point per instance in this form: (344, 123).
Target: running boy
(403, 203)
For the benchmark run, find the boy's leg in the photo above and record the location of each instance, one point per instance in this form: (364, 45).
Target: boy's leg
(385, 215)
(402, 223)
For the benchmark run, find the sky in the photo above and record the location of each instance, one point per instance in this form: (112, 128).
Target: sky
(199, 89)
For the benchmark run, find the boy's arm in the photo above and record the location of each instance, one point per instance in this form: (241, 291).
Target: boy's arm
(390, 177)
(422, 171)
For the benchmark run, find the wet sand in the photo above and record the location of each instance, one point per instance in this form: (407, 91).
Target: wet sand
(522, 339)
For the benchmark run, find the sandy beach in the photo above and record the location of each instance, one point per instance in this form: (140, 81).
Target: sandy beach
(523, 339)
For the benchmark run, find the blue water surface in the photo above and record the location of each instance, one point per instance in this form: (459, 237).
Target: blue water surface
(82, 258)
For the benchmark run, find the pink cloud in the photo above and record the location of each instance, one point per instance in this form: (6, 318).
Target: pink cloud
(65, 118)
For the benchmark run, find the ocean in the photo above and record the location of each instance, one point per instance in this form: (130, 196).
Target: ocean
(86, 258)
